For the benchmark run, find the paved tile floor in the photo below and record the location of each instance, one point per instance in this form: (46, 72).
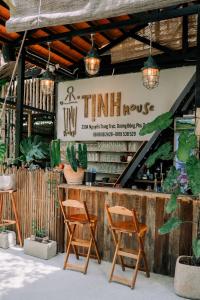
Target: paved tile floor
(24, 277)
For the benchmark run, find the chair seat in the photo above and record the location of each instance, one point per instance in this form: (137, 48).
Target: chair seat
(81, 218)
(128, 226)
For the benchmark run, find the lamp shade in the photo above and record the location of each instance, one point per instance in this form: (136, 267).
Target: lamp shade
(47, 82)
(150, 73)
(92, 62)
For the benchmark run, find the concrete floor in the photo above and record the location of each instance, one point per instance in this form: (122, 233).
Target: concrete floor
(24, 277)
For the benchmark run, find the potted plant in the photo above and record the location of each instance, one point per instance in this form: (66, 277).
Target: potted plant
(33, 150)
(187, 272)
(74, 170)
(55, 157)
(7, 238)
(7, 181)
(39, 245)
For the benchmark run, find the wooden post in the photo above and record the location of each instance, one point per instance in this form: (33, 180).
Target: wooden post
(19, 104)
(197, 87)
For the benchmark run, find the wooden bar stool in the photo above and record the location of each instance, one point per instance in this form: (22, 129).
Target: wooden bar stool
(72, 221)
(131, 227)
(3, 222)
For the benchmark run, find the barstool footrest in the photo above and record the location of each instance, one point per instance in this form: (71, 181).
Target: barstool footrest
(128, 253)
(7, 222)
(81, 243)
(75, 268)
(121, 280)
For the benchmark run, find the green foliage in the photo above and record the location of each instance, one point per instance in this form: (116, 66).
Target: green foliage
(161, 122)
(2, 151)
(193, 172)
(82, 156)
(33, 148)
(2, 83)
(172, 203)
(196, 248)
(163, 152)
(71, 157)
(55, 153)
(171, 181)
(38, 232)
(170, 225)
(187, 143)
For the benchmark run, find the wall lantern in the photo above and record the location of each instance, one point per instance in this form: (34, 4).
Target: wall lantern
(92, 60)
(150, 71)
(48, 77)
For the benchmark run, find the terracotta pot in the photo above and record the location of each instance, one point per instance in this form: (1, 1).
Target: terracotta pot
(187, 279)
(73, 177)
(8, 182)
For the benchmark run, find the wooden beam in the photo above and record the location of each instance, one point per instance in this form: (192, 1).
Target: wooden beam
(121, 39)
(185, 33)
(139, 18)
(197, 86)
(19, 103)
(155, 45)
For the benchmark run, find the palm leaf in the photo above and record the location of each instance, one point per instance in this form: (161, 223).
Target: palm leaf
(161, 122)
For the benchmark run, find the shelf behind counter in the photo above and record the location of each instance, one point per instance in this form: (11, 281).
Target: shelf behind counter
(162, 251)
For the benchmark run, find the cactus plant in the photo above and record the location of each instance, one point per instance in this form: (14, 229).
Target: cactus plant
(55, 153)
(81, 161)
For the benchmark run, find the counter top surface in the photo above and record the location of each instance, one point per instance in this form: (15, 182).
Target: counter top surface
(120, 191)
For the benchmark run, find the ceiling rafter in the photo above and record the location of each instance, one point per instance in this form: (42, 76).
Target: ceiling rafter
(155, 45)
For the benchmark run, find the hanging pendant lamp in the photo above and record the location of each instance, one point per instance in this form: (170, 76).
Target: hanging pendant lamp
(150, 71)
(48, 78)
(92, 60)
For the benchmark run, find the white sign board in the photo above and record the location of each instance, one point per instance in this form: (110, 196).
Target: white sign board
(115, 107)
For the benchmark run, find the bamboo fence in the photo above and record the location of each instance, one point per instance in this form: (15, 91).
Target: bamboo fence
(37, 203)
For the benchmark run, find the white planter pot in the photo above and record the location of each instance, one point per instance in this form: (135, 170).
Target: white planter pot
(8, 182)
(7, 239)
(73, 177)
(187, 279)
(41, 250)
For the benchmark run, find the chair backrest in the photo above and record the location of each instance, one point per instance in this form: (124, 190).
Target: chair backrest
(123, 211)
(72, 203)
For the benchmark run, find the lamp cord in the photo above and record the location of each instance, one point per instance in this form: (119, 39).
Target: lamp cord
(39, 11)
(150, 37)
(12, 78)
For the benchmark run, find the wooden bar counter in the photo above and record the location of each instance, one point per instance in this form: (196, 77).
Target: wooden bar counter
(161, 251)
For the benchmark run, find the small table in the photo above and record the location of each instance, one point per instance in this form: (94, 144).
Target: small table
(3, 222)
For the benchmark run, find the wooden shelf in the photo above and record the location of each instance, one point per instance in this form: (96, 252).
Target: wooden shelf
(146, 181)
(112, 151)
(114, 162)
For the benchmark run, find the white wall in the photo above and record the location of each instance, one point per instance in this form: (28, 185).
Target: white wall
(172, 82)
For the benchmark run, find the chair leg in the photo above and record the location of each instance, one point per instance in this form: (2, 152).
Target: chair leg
(88, 257)
(135, 271)
(115, 257)
(92, 230)
(16, 218)
(120, 257)
(68, 247)
(141, 241)
(73, 247)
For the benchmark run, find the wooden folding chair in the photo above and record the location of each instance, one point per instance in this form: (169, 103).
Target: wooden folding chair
(131, 227)
(72, 221)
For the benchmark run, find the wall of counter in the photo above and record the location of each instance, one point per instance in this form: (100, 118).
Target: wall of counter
(161, 251)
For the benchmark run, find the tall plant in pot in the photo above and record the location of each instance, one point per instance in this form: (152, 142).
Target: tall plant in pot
(74, 170)
(187, 273)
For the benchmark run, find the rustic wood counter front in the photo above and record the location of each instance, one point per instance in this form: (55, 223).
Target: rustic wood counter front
(161, 251)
